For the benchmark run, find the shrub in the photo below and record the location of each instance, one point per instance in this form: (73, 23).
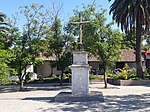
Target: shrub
(52, 79)
(136, 78)
(132, 73)
(92, 76)
(7, 82)
(146, 74)
(148, 69)
(68, 75)
(114, 76)
(124, 74)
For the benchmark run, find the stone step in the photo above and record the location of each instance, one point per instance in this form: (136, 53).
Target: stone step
(68, 97)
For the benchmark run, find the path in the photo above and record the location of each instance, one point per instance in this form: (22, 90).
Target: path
(117, 99)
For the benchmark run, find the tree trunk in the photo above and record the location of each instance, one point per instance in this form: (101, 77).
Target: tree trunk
(61, 77)
(139, 69)
(21, 84)
(20, 79)
(52, 71)
(105, 79)
(105, 75)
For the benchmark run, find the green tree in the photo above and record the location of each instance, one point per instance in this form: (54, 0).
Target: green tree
(59, 43)
(5, 32)
(31, 41)
(3, 24)
(59, 46)
(6, 56)
(133, 15)
(129, 40)
(55, 43)
(105, 45)
(98, 37)
(63, 62)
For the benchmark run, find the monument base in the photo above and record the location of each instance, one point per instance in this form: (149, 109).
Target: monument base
(80, 73)
(68, 97)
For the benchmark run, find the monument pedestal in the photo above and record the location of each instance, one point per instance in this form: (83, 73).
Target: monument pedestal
(80, 82)
(69, 97)
(80, 73)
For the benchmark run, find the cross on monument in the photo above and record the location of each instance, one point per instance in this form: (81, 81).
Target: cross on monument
(80, 45)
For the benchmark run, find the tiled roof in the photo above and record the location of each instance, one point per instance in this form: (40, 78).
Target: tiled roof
(129, 55)
(126, 56)
(53, 58)
(50, 58)
(92, 58)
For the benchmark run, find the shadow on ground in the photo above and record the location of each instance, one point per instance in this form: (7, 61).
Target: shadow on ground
(125, 103)
(128, 103)
(33, 87)
(75, 107)
(94, 106)
(113, 103)
(84, 103)
(41, 99)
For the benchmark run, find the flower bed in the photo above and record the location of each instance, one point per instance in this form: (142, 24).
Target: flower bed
(128, 82)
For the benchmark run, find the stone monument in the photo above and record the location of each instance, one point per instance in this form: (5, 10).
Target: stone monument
(80, 73)
(80, 68)
(80, 77)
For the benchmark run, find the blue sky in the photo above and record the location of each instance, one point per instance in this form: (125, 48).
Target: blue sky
(10, 7)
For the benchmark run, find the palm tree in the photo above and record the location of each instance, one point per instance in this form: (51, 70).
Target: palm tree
(3, 25)
(133, 15)
(5, 32)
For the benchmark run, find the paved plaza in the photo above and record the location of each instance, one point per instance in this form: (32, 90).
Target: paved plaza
(41, 99)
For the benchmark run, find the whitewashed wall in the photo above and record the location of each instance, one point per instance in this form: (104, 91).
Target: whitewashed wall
(46, 70)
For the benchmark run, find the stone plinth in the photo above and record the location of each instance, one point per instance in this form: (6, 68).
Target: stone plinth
(80, 58)
(68, 97)
(80, 73)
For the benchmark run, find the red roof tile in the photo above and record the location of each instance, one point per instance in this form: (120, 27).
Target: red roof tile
(92, 58)
(50, 58)
(126, 56)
